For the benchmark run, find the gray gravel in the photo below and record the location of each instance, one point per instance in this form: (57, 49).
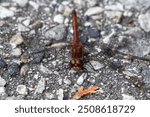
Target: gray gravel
(35, 38)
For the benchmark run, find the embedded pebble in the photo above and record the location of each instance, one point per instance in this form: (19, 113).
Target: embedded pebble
(2, 90)
(144, 21)
(49, 96)
(60, 81)
(59, 45)
(65, 2)
(45, 69)
(2, 82)
(81, 79)
(2, 63)
(128, 97)
(34, 5)
(80, 3)
(36, 25)
(87, 24)
(135, 32)
(22, 28)
(4, 13)
(60, 94)
(41, 86)
(116, 7)
(93, 11)
(16, 52)
(115, 15)
(26, 22)
(21, 3)
(60, 8)
(57, 33)
(67, 11)
(93, 32)
(91, 3)
(24, 58)
(67, 81)
(96, 65)
(128, 73)
(37, 57)
(59, 19)
(13, 69)
(106, 40)
(2, 23)
(23, 70)
(21, 89)
(16, 40)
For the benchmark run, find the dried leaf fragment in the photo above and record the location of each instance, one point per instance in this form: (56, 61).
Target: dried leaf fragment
(81, 91)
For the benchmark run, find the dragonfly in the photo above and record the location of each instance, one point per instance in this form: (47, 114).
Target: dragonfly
(77, 52)
(76, 62)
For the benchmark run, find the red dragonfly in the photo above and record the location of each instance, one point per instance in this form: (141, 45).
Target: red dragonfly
(76, 62)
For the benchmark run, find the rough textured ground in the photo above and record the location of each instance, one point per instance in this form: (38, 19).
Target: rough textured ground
(35, 51)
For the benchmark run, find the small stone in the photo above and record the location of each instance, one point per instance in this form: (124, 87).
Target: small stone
(45, 69)
(21, 89)
(91, 3)
(57, 33)
(60, 81)
(96, 65)
(47, 9)
(67, 81)
(87, 24)
(135, 32)
(115, 15)
(24, 58)
(93, 32)
(34, 5)
(144, 21)
(36, 25)
(21, 3)
(4, 13)
(115, 7)
(60, 93)
(59, 45)
(128, 73)
(23, 70)
(138, 4)
(13, 69)
(81, 79)
(106, 40)
(2, 63)
(2, 23)
(65, 2)
(2, 82)
(2, 90)
(60, 8)
(16, 40)
(37, 57)
(36, 76)
(26, 22)
(50, 96)
(94, 10)
(41, 86)
(128, 97)
(16, 52)
(67, 11)
(80, 2)
(59, 19)
(22, 28)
